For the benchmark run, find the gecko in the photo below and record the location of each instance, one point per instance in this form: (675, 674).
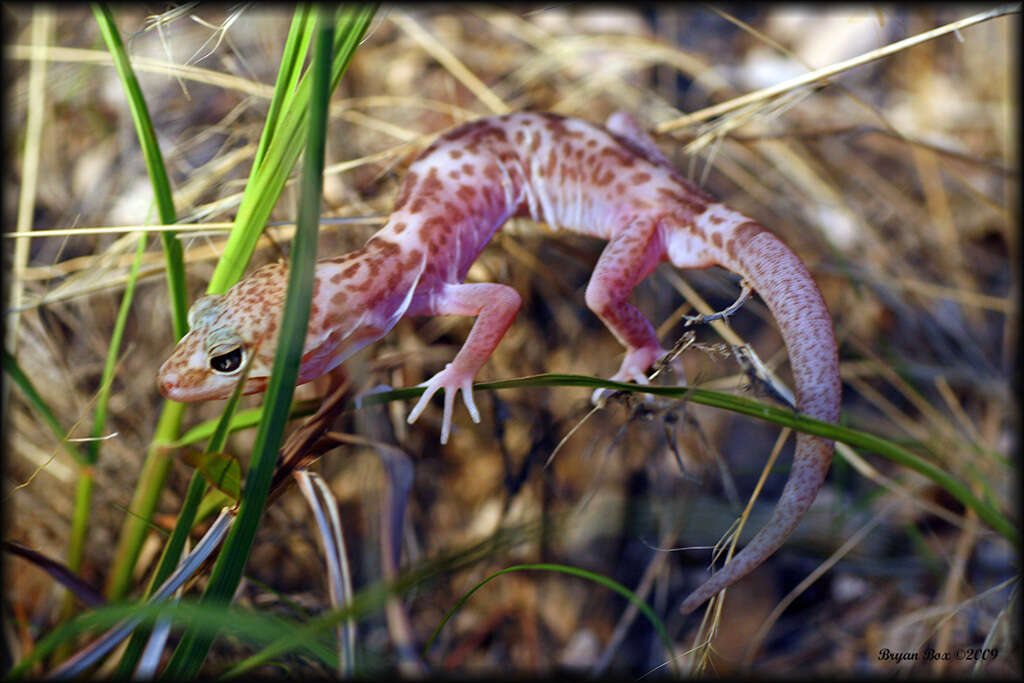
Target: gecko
(611, 182)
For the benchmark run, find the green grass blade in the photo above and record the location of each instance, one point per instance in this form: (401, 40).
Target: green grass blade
(287, 142)
(350, 27)
(373, 597)
(227, 572)
(762, 411)
(18, 376)
(250, 625)
(155, 468)
(110, 366)
(144, 500)
(83, 494)
(368, 600)
(154, 164)
(572, 571)
(168, 560)
(288, 75)
(83, 489)
(245, 419)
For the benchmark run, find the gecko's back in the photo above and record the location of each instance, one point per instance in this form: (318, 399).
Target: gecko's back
(565, 172)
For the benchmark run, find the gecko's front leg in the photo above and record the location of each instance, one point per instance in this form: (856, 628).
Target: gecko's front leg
(494, 307)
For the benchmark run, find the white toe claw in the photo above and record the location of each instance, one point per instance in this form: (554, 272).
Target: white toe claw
(421, 404)
(467, 398)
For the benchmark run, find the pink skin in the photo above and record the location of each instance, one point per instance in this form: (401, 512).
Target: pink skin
(611, 183)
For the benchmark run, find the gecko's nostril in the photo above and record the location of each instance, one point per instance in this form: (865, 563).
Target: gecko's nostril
(166, 385)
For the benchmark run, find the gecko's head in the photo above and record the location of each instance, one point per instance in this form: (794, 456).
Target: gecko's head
(208, 361)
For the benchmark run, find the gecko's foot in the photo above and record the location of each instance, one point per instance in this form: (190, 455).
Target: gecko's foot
(633, 369)
(451, 380)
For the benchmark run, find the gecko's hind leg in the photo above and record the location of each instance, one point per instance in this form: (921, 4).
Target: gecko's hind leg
(627, 259)
(624, 125)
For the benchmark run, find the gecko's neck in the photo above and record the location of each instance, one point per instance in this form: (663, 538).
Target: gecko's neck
(373, 283)
(448, 234)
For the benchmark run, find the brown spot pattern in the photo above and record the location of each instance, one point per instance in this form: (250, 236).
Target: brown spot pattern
(690, 203)
(601, 176)
(405, 190)
(454, 213)
(394, 279)
(552, 164)
(387, 248)
(740, 236)
(554, 123)
(535, 144)
(430, 226)
(431, 185)
(620, 158)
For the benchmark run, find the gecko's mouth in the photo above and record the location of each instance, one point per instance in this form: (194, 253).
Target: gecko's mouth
(171, 387)
(175, 386)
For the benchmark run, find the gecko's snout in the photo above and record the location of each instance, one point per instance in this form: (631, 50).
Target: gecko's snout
(167, 384)
(171, 381)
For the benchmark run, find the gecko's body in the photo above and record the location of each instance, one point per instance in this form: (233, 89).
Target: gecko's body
(611, 183)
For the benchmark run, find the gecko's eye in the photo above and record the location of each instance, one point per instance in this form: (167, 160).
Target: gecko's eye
(229, 362)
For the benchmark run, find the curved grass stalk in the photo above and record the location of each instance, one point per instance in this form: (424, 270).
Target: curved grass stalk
(739, 404)
(247, 624)
(763, 411)
(325, 511)
(155, 469)
(572, 571)
(78, 664)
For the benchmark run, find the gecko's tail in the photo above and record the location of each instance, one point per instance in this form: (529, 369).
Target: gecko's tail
(786, 287)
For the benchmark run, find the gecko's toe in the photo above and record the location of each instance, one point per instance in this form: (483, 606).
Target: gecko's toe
(467, 398)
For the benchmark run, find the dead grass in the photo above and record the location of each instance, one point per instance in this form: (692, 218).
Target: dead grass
(897, 183)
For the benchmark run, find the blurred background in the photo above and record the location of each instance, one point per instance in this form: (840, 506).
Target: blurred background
(895, 181)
